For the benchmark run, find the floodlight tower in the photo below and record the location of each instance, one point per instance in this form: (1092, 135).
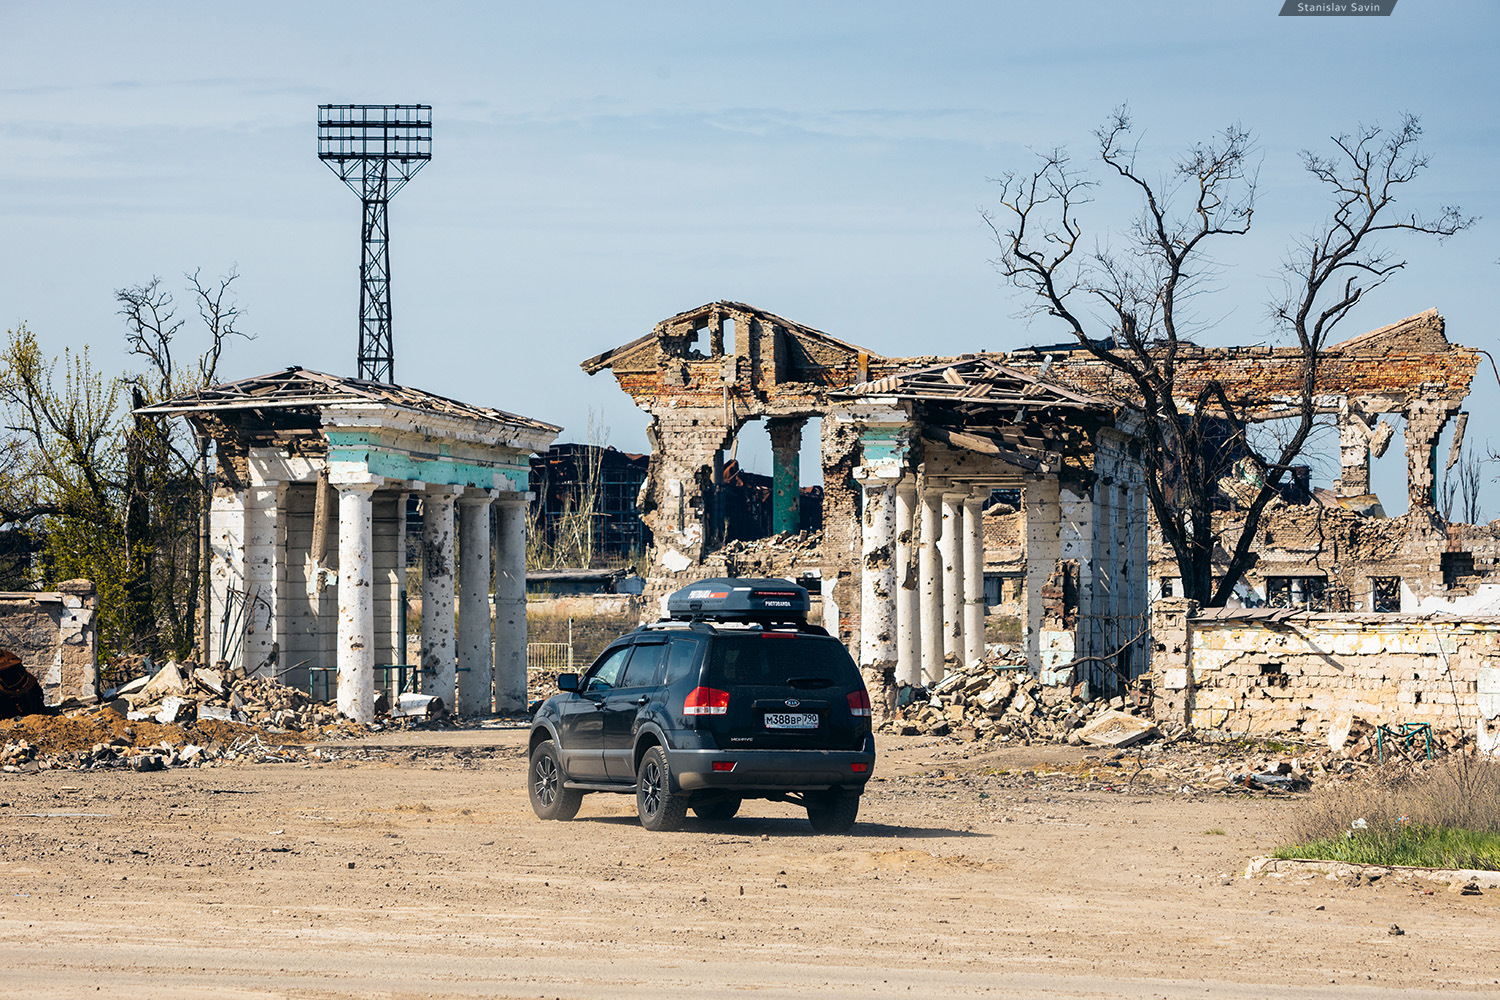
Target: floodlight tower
(375, 149)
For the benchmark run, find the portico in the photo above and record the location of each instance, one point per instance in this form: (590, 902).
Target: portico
(307, 535)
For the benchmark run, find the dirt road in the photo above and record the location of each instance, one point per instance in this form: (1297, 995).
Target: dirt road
(419, 871)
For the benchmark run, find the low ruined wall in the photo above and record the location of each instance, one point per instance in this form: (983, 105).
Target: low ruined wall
(597, 621)
(1309, 673)
(56, 636)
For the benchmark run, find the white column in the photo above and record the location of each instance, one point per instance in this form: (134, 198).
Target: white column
(950, 546)
(1140, 576)
(356, 631)
(398, 599)
(908, 633)
(265, 560)
(1042, 544)
(438, 661)
(973, 558)
(510, 605)
(1119, 569)
(1078, 538)
(1095, 638)
(476, 675)
(877, 604)
(226, 546)
(930, 573)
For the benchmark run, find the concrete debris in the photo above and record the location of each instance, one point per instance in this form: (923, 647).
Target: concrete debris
(16, 756)
(167, 681)
(1117, 730)
(419, 706)
(179, 693)
(995, 697)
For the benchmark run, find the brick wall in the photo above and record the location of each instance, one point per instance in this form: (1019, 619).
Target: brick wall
(56, 636)
(1307, 673)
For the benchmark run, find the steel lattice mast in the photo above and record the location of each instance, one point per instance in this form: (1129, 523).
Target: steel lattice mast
(375, 149)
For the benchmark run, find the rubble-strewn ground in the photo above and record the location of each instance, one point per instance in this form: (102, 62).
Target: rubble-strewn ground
(408, 864)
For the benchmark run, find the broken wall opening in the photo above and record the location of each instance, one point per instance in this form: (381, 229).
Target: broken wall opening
(761, 482)
(1461, 475)
(1388, 472)
(1319, 454)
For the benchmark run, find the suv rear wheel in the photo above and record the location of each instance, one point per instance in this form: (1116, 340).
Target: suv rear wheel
(832, 811)
(659, 810)
(549, 799)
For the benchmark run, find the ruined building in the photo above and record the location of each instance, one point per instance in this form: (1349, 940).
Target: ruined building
(1333, 549)
(307, 535)
(911, 453)
(912, 449)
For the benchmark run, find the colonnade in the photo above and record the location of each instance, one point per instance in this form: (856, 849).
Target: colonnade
(922, 581)
(459, 668)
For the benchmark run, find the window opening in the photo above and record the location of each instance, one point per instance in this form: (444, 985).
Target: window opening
(1310, 592)
(1456, 566)
(1385, 593)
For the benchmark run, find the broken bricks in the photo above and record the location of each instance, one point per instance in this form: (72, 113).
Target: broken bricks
(182, 693)
(995, 696)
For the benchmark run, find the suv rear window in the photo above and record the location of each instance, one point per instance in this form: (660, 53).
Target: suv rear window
(773, 661)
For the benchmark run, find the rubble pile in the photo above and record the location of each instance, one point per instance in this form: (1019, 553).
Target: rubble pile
(182, 693)
(995, 697)
(784, 542)
(15, 756)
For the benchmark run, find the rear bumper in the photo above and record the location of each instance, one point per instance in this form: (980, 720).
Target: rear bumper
(772, 770)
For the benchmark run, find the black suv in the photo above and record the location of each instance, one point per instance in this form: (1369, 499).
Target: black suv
(733, 696)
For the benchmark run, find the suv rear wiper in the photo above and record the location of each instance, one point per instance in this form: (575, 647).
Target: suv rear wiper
(809, 682)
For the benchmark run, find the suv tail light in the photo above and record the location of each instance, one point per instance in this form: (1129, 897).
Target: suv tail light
(707, 701)
(859, 703)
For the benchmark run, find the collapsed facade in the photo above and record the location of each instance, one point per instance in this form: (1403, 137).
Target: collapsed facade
(307, 535)
(1047, 427)
(1334, 549)
(911, 453)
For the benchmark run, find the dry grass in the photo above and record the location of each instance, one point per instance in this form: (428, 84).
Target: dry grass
(1444, 816)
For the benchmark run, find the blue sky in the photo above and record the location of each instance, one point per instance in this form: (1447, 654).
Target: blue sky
(597, 167)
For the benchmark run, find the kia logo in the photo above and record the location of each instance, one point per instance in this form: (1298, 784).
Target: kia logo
(792, 703)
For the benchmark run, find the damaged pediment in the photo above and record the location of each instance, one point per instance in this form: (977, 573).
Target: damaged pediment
(735, 346)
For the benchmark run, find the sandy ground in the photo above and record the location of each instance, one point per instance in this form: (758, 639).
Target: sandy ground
(420, 871)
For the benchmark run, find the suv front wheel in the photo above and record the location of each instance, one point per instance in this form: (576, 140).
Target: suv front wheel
(549, 799)
(659, 809)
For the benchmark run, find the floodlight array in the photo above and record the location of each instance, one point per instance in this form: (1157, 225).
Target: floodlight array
(401, 132)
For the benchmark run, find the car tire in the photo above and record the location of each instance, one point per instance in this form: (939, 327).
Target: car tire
(832, 811)
(659, 809)
(544, 783)
(718, 810)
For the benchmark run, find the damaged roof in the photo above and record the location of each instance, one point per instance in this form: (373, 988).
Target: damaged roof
(1407, 360)
(979, 405)
(297, 387)
(979, 380)
(706, 315)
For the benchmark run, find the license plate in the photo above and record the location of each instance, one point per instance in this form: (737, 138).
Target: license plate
(791, 720)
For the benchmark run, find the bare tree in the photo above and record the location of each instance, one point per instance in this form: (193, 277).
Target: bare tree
(1459, 495)
(119, 497)
(162, 542)
(1129, 306)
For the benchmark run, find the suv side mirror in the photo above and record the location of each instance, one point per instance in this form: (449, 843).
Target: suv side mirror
(567, 682)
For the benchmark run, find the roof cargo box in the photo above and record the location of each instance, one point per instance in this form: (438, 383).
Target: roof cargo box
(740, 600)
